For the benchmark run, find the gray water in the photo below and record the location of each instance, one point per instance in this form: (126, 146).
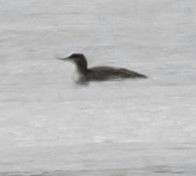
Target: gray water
(51, 126)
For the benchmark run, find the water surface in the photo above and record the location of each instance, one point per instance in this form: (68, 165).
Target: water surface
(51, 126)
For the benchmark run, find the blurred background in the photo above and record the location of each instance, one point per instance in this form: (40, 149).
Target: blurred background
(51, 126)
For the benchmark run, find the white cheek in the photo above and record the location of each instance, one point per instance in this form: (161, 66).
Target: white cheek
(76, 76)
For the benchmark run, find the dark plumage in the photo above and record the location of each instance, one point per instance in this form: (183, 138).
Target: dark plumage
(100, 73)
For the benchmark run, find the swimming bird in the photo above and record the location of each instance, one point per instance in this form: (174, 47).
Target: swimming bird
(99, 73)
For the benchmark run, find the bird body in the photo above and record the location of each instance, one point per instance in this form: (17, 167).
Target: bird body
(99, 73)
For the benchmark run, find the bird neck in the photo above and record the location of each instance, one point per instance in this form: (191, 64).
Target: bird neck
(81, 70)
(82, 66)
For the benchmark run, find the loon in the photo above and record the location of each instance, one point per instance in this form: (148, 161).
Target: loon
(100, 73)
